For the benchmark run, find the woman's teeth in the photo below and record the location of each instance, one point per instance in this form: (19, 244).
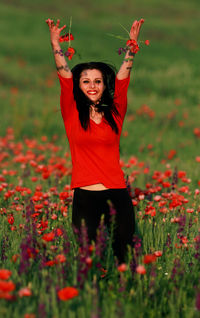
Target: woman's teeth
(92, 92)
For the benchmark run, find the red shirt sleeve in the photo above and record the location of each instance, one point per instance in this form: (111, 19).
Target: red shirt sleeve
(120, 96)
(66, 97)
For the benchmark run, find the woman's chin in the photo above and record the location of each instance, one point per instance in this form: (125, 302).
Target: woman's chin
(94, 100)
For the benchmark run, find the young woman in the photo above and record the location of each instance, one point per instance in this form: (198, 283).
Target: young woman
(93, 105)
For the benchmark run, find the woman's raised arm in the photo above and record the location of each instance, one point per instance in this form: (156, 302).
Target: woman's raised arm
(127, 63)
(61, 64)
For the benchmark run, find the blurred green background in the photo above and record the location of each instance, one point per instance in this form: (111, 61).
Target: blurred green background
(164, 94)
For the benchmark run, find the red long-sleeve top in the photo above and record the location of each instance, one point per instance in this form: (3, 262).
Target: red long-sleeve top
(94, 152)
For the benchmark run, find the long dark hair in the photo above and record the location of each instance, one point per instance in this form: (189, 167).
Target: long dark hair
(106, 103)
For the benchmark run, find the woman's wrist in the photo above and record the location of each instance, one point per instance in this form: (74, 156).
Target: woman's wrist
(55, 45)
(132, 46)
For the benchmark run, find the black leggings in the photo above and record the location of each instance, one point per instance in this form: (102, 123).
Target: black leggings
(90, 205)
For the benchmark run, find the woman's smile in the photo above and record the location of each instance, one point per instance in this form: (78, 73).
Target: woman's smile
(92, 92)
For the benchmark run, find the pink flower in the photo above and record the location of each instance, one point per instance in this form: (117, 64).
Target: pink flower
(24, 292)
(189, 210)
(147, 42)
(140, 269)
(158, 253)
(89, 262)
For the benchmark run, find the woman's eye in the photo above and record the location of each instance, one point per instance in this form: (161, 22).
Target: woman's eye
(85, 82)
(98, 81)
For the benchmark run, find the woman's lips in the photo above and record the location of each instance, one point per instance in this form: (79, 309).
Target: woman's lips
(92, 92)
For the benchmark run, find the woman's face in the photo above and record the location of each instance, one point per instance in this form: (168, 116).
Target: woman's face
(92, 85)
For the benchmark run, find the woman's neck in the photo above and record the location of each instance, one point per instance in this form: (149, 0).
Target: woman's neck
(95, 115)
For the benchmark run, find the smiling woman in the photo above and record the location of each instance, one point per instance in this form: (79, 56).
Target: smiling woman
(93, 89)
(93, 104)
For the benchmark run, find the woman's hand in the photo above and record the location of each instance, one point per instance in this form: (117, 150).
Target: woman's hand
(54, 30)
(61, 64)
(127, 64)
(135, 29)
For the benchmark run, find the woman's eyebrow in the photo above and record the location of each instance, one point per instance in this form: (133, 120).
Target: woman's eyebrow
(89, 78)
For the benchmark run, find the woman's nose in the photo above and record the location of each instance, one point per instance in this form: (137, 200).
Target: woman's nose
(92, 84)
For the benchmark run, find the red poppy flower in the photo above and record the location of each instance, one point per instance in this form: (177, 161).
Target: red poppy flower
(58, 232)
(104, 271)
(48, 236)
(66, 38)
(5, 295)
(29, 316)
(64, 195)
(181, 174)
(196, 132)
(133, 46)
(166, 184)
(70, 52)
(5, 274)
(50, 263)
(189, 210)
(60, 258)
(54, 216)
(32, 252)
(149, 258)
(122, 267)
(171, 154)
(15, 258)
(158, 253)
(67, 293)
(183, 189)
(147, 42)
(184, 240)
(6, 286)
(150, 210)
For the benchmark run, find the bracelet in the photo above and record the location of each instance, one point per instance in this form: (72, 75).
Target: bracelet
(129, 58)
(60, 52)
(131, 54)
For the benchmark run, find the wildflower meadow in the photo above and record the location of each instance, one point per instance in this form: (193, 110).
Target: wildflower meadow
(47, 270)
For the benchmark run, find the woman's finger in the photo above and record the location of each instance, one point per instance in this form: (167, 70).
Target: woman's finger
(64, 26)
(58, 22)
(140, 24)
(134, 26)
(138, 27)
(48, 21)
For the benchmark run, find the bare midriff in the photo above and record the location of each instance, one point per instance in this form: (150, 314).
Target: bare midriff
(94, 187)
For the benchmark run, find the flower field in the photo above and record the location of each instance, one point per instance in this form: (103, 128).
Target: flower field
(46, 270)
(45, 273)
